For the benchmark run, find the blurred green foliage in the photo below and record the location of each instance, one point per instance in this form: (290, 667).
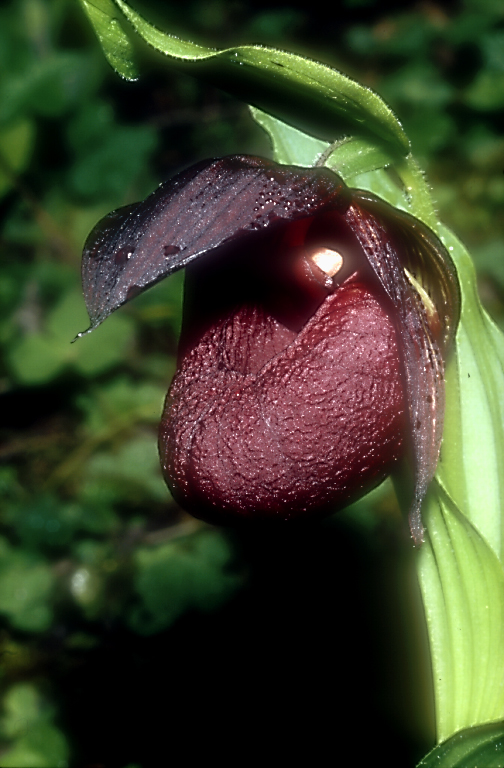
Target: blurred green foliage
(35, 741)
(174, 578)
(92, 543)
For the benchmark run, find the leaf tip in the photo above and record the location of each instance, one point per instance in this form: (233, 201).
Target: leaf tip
(83, 333)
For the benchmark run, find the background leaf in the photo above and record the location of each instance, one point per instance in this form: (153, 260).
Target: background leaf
(37, 741)
(26, 584)
(190, 574)
(16, 142)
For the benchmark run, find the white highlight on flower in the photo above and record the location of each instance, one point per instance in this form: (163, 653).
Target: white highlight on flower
(328, 261)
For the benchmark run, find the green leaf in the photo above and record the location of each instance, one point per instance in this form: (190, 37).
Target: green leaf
(22, 706)
(287, 142)
(302, 91)
(37, 358)
(37, 743)
(115, 41)
(462, 583)
(108, 156)
(472, 454)
(486, 93)
(40, 357)
(55, 84)
(108, 349)
(460, 566)
(26, 585)
(349, 157)
(482, 747)
(132, 470)
(123, 401)
(43, 746)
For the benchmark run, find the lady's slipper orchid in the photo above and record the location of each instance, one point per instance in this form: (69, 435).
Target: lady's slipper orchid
(313, 343)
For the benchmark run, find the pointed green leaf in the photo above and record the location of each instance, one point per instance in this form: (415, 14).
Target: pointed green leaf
(348, 157)
(462, 583)
(108, 23)
(290, 146)
(304, 92)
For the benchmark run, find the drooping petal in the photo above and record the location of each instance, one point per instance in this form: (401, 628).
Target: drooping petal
(407, 258)
(199, 210)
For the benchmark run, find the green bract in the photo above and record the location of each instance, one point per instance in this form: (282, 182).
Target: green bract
(305, 107)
